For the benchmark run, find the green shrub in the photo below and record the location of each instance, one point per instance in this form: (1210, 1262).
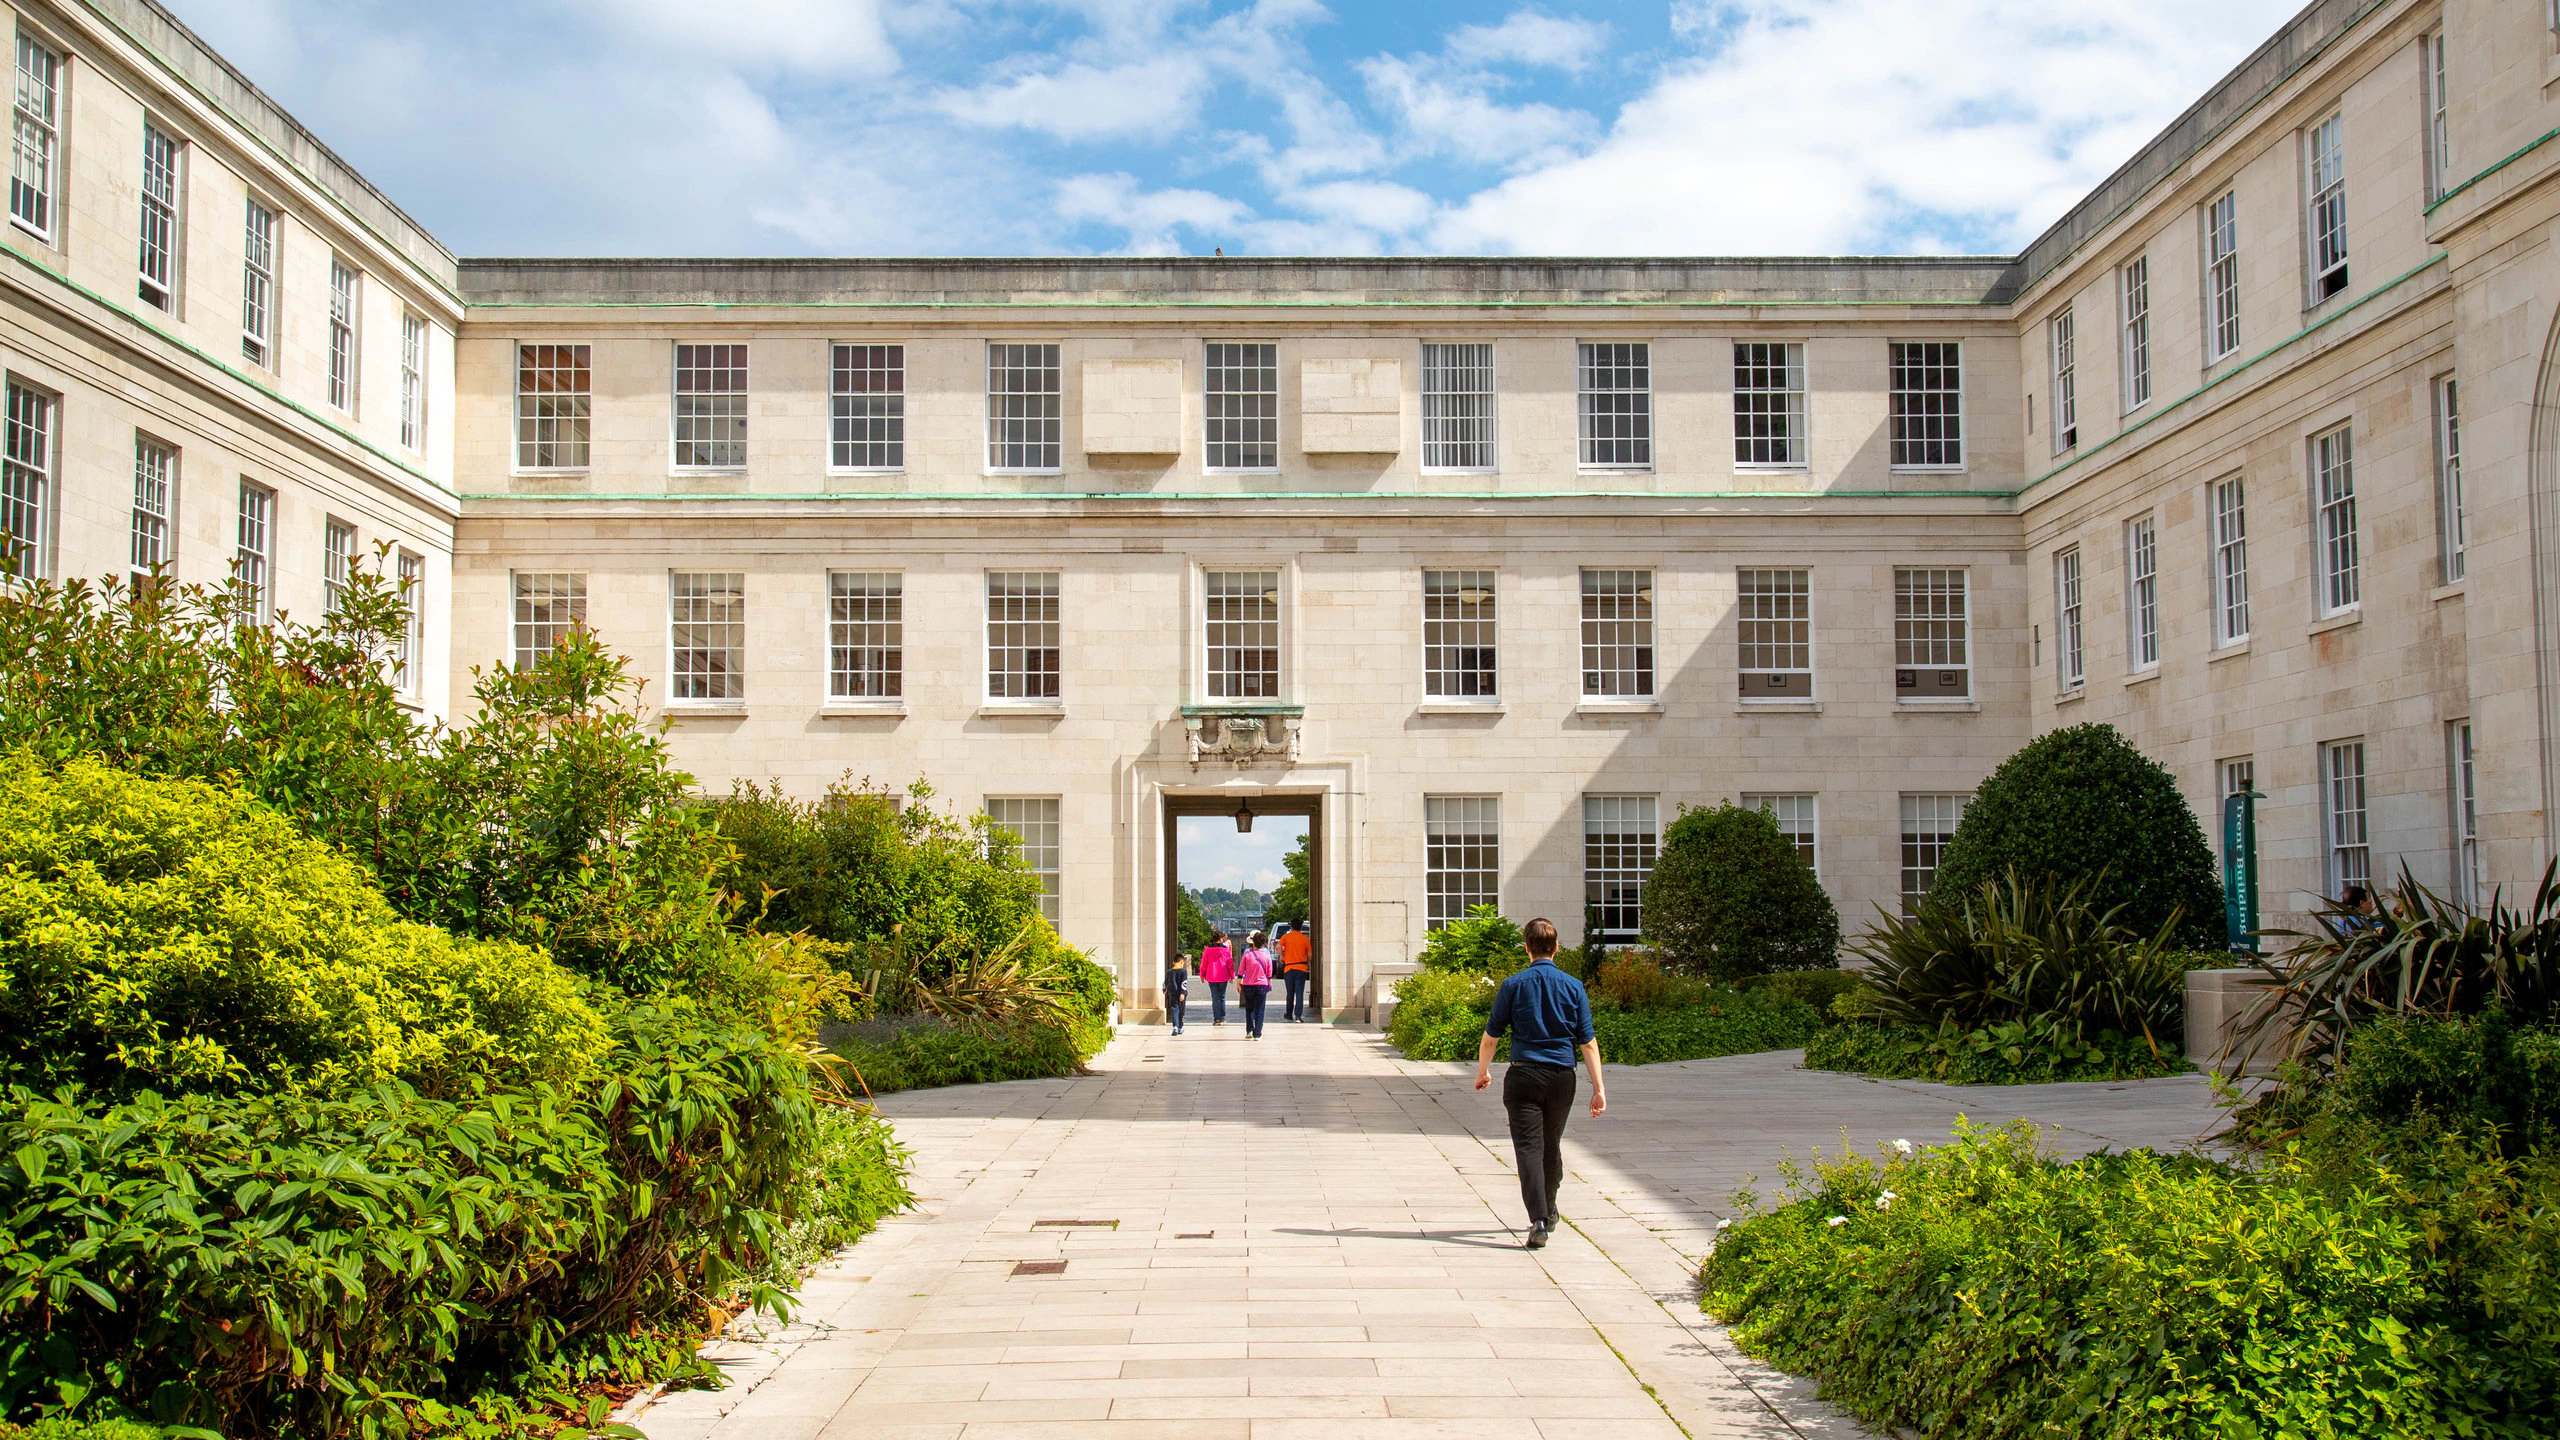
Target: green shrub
(159, 932)
(921, 1052)
(2032, 1051)
(2080, 803)
(1729, 897)
(1631, 982)
(65, 1428)
(856, 1173)
(1817, 988)
(1441, 1016)
(2490, 1074)
(1434, 1000)
(1483, 941)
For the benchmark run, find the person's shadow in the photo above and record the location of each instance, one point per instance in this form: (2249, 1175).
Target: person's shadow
(1436, 1237)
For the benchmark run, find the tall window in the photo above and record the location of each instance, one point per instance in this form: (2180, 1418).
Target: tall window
(1617, 634)
(1928, 828)
(337, 564)
(26, 484)
(1032, 821)
(1458, 624)
(343, 286)
(158, 263)
(1926, 405)
(257, 284)
(866, 635)
(2222, 276)
(413, 380)
(413, 627)
(868, 407)
(1930, 656)
(2136, 307)
(1461, 855)
(2333, 482)
(1022, 635)
(2327, 221)
(2467, 879)
(552, 397)
(1243, 610)
(155, 499)
(2452, 526)
(2439, 128)
(1022, 407)
(34, 137)
(2343, 815)
(2068, 647)
(1768, 404)
(2230, 560)
(1796, 820)
(707, 636)
(1614, 389)
(1457, 407)
(2066, 383)
(2142, 593)
(547, 608)
(253, 553)
(1619, 840)
(711, 407)
(1242, 406)
(1775, 631)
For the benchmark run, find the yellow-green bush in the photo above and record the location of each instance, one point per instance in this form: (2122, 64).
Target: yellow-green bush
(168, 933)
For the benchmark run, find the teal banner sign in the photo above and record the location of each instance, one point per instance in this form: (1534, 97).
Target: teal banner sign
(2240, 870)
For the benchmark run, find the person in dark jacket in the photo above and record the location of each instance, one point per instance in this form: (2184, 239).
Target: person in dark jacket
(1548, 1016)
(1177, 989)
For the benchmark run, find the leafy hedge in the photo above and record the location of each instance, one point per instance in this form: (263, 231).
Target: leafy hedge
(1730, 897)
(1441, 1015)
(2032, 1051)
(921, 1052)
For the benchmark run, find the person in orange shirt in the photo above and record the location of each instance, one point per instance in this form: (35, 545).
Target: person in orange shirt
(1295, 948)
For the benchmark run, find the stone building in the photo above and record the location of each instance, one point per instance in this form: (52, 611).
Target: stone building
(1488, 566)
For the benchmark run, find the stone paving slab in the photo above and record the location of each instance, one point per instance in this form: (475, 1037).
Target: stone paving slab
(1318, 1239)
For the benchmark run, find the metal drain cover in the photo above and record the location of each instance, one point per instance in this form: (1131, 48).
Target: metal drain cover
(1075, 1224)
(1039, 1267)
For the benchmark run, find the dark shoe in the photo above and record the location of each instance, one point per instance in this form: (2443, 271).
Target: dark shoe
(1537, 1235)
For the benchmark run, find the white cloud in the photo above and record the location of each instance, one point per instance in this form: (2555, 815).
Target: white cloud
(1529, 38)
(1451, 114)
(1378, 205)
(1149, 216)
(797, 35)
(1152, 98)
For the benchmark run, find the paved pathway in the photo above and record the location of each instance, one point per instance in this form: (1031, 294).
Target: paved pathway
(1309, 1236)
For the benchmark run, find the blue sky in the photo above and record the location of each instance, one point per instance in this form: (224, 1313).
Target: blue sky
(923, 127)
(1213, 855)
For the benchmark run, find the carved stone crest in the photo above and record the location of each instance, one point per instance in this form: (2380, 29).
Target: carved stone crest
(1240, 739)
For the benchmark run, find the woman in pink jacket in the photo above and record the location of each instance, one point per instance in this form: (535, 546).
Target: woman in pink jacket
(1217, 967)
(1253, 984)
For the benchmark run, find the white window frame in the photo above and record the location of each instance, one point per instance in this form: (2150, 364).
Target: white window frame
(253, 551)
(2453, 524)
(2324, 216)
(414, 341)
(2337, 542)
(2142, 593)
(346, 308)
(1239, 423)
(259, 242)
(1625, 405)
(876, 410)
(2222, 277)
(1772, 422)
(708, 608)
(1038, 826)
(1621, 841)
(338, 549)
(1773, 620)
(2463, 788)
(1234, 624)
(711, 405)
(1017, 633)
(2346, 815)
(565, 415)
(1459, 407)
(1925, 629)
(2227, 511)
(1799, 817)
(160, 222)
(155, 506)
(2070, 634)
(30, 461)
(1040, 436)
(543, 608)
(410, 656)
(1924, 851)
(1637, 638)
(1907, 406)
(1461, 856)
(2133, 298)
(35, 199)
(1461, 616)
(2063, 352)
(866, 637)
(2439, 128)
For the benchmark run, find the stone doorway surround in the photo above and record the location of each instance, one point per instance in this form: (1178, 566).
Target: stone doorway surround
(1221, 803)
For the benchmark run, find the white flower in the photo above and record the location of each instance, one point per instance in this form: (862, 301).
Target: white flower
(1903, 1146)
(1724, 1224)
(1837, 1220)
(1885, 1200)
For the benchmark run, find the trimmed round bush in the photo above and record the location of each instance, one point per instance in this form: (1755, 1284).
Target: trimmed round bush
(1729, 898)
(166, 933)
(2078, 801)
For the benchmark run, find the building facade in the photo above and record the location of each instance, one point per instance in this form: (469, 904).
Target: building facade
(1488, 566)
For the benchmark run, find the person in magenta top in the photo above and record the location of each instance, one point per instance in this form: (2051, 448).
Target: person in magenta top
(1217, 967)
(1253, 984)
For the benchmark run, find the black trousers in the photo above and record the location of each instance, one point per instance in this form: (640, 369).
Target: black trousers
(1538, 1098)
(1254, 997)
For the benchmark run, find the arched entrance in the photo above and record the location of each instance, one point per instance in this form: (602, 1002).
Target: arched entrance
(1223, 806)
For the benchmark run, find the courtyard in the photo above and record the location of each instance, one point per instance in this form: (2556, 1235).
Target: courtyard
(1271, 1240)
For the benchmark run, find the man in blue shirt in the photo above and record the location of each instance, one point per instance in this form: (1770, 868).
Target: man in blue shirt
(1548, 1015)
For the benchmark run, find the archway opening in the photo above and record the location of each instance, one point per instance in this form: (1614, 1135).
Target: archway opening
(1246, 873)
